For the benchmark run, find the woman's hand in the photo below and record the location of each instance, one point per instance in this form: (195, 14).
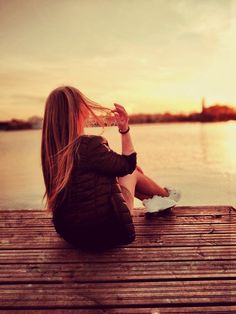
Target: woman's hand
(121, 117)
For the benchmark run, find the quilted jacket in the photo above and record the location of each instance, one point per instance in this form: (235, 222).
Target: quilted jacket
(94, 214)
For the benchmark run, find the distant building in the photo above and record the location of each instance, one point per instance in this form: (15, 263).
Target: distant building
(216, 112)
(203, 105)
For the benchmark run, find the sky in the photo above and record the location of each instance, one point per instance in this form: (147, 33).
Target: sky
(148, 55)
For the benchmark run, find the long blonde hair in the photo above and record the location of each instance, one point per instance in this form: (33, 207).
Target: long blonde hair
(67, 111)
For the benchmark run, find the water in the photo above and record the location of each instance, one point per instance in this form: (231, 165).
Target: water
(199, 159)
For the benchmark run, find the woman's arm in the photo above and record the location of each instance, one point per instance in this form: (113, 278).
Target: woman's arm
(103, 160)
(122, 120)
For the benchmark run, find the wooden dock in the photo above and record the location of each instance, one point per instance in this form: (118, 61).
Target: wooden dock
(182, 262)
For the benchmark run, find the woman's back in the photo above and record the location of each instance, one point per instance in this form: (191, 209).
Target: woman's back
(94, 214)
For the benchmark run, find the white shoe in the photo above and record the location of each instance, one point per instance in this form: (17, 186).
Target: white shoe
(173, 193)
(158, 203)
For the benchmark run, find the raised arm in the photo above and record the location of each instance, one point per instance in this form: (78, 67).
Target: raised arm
(122, 120)
(106, 161)
(102, 159)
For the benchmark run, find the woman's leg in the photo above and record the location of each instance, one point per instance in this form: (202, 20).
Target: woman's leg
(129, 182)
(147, 188)
(141, 186)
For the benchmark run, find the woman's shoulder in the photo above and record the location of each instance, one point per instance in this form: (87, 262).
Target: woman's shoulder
(92, 142)
(89, 138)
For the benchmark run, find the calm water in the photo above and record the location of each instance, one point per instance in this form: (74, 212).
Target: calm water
(200, 159)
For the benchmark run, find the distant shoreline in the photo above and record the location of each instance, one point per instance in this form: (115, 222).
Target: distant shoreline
(216, 113)
(134, 123)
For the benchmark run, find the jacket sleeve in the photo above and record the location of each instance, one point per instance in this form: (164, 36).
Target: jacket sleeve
(104, 160)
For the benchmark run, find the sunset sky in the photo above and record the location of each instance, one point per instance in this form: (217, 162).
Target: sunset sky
(149, 55)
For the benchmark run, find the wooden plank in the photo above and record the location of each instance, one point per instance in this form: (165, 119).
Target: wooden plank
(117, 294)
(123, 254)
(203, 210)
(127, 271)
(171, 218)
(21, 241)
(181, 240)
(200, 219)
(141, 230)
(179, 310)
(11, 222)
(25, 214)
(179, 220)
(187, 229)
(179, 210)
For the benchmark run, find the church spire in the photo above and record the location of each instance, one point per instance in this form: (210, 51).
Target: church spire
(203, 104)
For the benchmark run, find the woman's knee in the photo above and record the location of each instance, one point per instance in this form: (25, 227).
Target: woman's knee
(129, 179)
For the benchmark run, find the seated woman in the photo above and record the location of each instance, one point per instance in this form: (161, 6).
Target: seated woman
(90, 189)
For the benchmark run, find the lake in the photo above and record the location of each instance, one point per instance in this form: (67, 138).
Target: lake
(199, 159)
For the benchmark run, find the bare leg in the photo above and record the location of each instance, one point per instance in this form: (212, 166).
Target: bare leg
(141, 196)
(147, 187)
(141, 186)
(129, 182)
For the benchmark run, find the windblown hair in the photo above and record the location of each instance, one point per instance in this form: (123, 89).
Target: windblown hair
(67, 111)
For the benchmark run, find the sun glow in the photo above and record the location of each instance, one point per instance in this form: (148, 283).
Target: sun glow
(150, 56)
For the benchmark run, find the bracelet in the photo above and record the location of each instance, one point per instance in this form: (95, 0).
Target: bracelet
(124, 132)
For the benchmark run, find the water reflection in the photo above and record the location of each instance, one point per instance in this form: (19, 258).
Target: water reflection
(197, 158)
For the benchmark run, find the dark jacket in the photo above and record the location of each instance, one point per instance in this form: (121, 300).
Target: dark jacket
(94, 214)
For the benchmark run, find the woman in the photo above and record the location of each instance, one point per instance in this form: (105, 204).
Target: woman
(90, 189)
